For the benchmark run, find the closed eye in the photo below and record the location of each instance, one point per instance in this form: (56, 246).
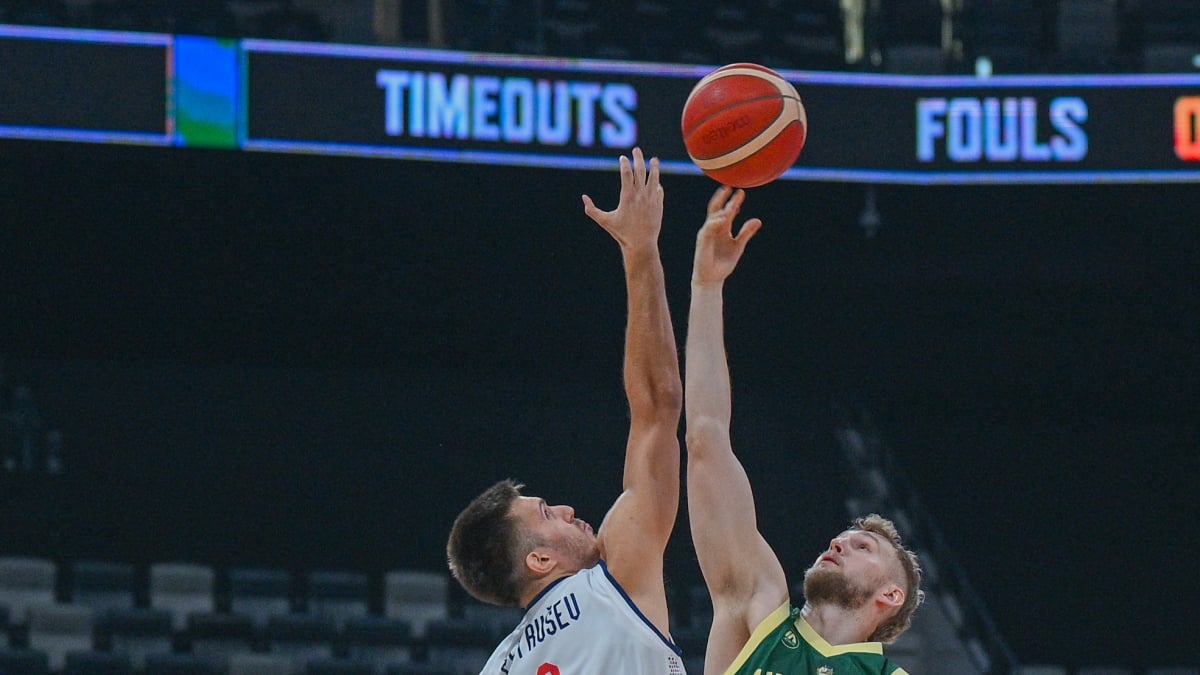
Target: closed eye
(864, 542)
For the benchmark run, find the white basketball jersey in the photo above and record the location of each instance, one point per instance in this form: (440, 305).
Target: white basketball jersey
(585, 624)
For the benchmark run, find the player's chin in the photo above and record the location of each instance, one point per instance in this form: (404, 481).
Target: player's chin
(821, 572)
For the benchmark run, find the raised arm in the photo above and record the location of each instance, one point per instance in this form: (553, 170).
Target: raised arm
(743, 574)
(634, 534)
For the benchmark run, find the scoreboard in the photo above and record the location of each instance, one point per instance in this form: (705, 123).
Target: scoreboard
(435, 105)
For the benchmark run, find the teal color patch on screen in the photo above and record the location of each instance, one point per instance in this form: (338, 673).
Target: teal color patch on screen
(206, 89)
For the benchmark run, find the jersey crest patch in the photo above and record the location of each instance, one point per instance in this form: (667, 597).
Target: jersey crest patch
(824, 670)
(790, 641)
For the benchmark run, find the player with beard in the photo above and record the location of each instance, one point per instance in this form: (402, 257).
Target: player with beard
(595, 602)
(859, 593)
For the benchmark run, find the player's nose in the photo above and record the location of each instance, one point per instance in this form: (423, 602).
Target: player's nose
(836, 545)
(565, 512)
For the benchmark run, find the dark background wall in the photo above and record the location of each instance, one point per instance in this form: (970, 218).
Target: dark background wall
(316, 362)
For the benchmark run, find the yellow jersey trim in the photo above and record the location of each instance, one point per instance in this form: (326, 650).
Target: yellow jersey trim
(812, 637)
(764, 628)
(808, 633)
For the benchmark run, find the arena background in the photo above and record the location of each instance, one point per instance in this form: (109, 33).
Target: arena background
(314, 362)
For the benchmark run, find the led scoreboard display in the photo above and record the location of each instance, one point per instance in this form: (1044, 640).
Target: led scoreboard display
(876, 128)
(363, 100)
(106, 87)
(418, 104)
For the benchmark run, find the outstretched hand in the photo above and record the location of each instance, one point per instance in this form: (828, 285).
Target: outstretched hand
(718, 250)
(638, 216)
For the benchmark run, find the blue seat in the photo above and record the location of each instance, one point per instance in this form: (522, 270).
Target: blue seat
(102, 585)
(252, 663)
(20, 661)
(182, 589)
(378, 641)
(24, 582)
(339, 596)
(218, 636)
(97, 663)
(182, 664)
(416, 596)
(458, 645)
(260, 593)
(336, 666)
(60, 628)
(135, 633)
(301, 636)
(421, 669)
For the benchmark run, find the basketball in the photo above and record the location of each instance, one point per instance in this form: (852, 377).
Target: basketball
(744, 125)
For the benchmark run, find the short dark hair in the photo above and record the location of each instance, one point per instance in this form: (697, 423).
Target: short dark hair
(486, 546)
(888, 631)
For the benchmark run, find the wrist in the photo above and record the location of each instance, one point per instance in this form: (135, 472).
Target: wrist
(635, 249)
(707, 284)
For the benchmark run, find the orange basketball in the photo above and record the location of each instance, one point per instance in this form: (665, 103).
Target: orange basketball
(744, 125)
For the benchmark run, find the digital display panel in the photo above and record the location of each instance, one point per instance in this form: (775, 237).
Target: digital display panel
(421, 104)
(84, 85)
(862, 127)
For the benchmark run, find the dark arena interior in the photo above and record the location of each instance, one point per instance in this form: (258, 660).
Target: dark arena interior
(278, 372)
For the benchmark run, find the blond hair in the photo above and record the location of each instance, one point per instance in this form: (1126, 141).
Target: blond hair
(889, 630)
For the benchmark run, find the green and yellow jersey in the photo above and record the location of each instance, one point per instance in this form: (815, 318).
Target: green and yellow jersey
(784, 644)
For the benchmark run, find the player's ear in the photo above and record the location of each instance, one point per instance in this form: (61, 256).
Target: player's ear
(890, 595)
(539, 561)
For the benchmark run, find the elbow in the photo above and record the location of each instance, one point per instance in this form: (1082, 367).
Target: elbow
(661, 398)
(704, 432)
(668, 396)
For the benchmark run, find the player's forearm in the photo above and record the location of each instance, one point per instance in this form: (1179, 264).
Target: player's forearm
(655, 393)
(707, 396)
(720, 501)
(651, 368)
(733, 556)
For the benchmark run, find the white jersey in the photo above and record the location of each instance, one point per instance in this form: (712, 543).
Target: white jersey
(585, 624)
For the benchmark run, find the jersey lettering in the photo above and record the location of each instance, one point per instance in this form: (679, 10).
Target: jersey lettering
(556, 617)
(584, 623)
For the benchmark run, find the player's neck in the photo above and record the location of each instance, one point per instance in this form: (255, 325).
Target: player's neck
(537, 588)
(838, 625)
